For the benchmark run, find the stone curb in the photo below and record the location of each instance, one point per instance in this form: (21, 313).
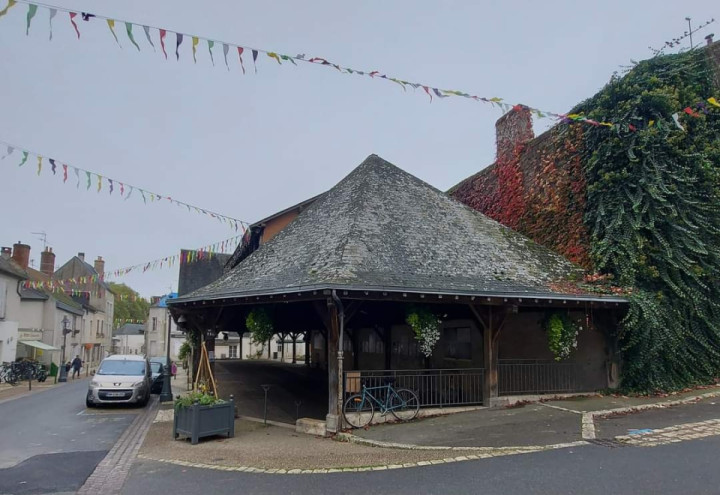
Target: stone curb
(588, 418)
(349, 437)
(482, 453)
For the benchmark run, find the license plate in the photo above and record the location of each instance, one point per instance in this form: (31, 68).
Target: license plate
(116, 394)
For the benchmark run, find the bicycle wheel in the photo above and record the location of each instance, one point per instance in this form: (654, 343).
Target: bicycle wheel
(404, 404)
(358, 411)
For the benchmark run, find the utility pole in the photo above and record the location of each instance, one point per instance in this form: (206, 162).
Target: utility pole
(690, 32)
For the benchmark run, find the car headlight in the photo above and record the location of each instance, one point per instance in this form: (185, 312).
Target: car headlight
(138, 384)
(94, 385)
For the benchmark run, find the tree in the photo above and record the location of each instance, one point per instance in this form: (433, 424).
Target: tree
(128, 304)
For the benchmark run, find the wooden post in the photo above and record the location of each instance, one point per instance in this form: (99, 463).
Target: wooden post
(294, 338)
(306, 340)
(282, 348)
(387, 335)
(490, 390)
(332, 419)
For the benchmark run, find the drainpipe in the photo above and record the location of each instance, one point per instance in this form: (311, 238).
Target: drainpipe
(341, 346)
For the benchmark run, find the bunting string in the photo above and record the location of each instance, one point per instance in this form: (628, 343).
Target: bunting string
(77, 284)
(428, 89)
(125, 189)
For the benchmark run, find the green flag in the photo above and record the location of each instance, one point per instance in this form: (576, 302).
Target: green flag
(128, 28)
(32, 10)
(25, 157)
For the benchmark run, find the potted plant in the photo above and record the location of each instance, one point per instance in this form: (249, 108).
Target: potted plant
(199, 415)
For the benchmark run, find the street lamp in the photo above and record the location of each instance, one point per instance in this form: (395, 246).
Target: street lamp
(166, 395)
(65, 330)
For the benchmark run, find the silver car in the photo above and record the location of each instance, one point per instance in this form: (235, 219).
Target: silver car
(120, 379)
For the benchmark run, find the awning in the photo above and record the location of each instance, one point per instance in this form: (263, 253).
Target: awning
(39, 345)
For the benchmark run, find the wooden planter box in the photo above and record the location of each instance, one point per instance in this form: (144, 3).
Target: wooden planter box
(198, 421)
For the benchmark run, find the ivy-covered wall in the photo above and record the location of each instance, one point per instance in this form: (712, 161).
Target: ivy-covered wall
(640, 201)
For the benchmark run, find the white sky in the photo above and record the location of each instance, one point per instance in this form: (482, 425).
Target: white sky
(247, 146)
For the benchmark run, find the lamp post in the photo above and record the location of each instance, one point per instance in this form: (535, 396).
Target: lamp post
(166, 395)
(65, 330)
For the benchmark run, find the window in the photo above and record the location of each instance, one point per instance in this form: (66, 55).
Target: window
(458, 343)
(233, 351)
(154, 323)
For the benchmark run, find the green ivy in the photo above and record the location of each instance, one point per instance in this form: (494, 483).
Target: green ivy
(259, 324)
(654, 217)
(562, 335)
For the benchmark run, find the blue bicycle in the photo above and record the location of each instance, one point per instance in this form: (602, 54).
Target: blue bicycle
(359, 409)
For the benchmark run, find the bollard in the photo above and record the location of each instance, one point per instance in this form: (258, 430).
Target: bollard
(265, 388)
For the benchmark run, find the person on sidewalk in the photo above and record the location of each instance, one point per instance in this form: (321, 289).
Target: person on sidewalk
(76, 365)
(173, 369)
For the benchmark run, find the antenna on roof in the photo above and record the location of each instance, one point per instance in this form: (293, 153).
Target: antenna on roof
(43, 237)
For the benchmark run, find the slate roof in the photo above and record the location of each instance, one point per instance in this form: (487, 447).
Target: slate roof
(381, 228)
(130, 329)
(85, 270)
(200, 272)
(11, 267)
(62, 300)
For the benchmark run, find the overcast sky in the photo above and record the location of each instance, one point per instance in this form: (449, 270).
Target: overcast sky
(247, 146)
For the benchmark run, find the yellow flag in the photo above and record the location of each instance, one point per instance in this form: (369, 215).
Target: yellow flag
(195, 41)
(11, 4)
(275, 56)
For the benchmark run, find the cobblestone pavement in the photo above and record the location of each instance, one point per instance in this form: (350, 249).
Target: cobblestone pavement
(672, 434)
(111, 473)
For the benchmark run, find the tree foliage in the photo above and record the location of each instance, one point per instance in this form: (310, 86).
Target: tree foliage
(128, 304)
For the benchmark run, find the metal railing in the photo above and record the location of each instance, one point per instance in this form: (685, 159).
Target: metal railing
(434, 388)
(531, 376)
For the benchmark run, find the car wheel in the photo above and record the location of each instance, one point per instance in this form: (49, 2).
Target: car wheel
(88, 402)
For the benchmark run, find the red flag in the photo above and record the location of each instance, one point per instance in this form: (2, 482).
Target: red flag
(162, 42)
(427, 90)
(64, 173)
(72, 21)
(240, 52)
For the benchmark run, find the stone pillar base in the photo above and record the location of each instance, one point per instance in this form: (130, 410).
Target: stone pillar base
(332, 423)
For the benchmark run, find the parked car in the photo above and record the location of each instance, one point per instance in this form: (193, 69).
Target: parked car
(120, 379)
(156, 377)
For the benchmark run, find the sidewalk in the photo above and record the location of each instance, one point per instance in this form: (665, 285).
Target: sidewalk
(551, 422)
(463, 436)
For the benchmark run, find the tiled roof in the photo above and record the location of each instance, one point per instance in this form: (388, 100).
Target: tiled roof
(383, 228)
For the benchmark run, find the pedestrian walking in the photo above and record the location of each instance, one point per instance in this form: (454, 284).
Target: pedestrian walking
(76, 365)
(173, 369)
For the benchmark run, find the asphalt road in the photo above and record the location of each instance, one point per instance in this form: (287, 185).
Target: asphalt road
(682, 468)
(49, 442)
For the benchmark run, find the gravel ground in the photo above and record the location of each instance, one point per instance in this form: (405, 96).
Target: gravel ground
(273, 447)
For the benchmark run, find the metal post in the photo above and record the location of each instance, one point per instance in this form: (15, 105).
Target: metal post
(166, 395)
(62, 372)
(265, 387)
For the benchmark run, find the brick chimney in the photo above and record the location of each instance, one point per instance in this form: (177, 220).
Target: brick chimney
(100, 265)
(21, 254)
(81, 256)
(512, 129)
(709, 39)
(47, 262)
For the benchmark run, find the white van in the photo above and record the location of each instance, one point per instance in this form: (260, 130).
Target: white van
(120, 379)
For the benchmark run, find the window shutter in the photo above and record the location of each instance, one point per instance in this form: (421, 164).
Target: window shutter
(3, 298)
